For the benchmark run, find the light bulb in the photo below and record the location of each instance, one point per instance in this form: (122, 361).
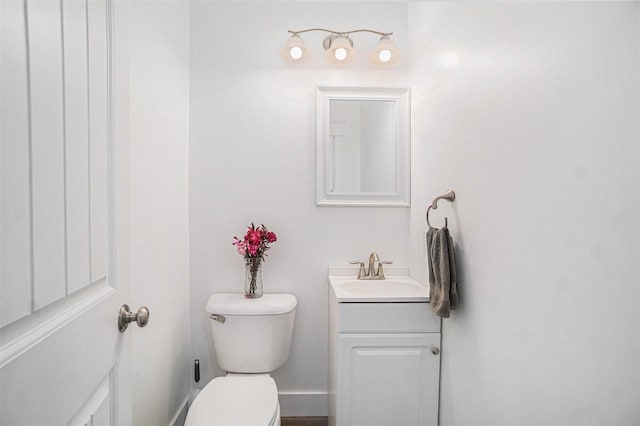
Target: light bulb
(295, 52)
(385, 52)
(339, 49)
(384, 55)
(340, 53)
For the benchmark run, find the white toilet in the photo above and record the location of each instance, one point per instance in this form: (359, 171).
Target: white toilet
(252, 337)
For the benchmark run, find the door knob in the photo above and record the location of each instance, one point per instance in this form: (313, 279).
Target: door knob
(126, 316)
(435, 351)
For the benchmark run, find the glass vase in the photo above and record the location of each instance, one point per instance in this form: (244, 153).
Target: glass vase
(253, 277)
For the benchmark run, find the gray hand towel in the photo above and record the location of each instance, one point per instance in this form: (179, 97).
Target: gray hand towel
(441, 258)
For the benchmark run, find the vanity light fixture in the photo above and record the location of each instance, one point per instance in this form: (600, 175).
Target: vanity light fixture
(339, 47)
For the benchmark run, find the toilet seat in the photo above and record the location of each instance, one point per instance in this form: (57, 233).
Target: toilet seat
(236, 400)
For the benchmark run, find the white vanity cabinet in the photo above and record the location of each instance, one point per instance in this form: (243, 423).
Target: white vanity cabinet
(384, 363)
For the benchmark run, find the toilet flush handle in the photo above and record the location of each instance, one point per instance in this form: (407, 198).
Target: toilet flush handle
(218, 318)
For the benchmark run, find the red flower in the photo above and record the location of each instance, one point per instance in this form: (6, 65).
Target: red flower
(256, 236)
(255, 242)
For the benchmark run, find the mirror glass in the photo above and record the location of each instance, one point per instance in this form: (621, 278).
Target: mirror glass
(363, 147)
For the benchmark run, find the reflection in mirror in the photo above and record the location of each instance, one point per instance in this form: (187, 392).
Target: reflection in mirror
(363, 147)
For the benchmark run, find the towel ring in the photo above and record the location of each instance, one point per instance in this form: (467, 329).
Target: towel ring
(449, 196)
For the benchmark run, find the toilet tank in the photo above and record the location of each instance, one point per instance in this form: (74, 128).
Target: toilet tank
(255, 336)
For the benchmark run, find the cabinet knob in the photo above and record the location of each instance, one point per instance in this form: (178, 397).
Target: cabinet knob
(435, 351)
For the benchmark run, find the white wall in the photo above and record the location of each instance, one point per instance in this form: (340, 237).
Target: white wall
(252, 159)
(159, 117)
(529, 111)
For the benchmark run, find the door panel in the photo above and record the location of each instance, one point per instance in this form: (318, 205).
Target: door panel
(44, 40)
(76, 107)
(98, 409)
(54, 151)
(15, 258)
(98, 133)
(48, 383)
(62, 359)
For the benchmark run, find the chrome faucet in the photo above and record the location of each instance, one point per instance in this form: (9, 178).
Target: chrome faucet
(371, 273)
(373, 258)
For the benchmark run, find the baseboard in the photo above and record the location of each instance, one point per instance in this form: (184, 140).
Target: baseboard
(181, 415)
(303, 404)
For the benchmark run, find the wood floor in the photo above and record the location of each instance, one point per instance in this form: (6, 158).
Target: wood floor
(304, 421)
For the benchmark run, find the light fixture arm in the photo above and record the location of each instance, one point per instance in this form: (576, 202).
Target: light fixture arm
(342, 33)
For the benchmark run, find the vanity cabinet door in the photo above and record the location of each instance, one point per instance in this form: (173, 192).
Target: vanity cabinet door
(388, 379)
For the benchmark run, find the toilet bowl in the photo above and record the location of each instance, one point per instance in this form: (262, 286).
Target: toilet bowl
(252, 337)
(236, 400)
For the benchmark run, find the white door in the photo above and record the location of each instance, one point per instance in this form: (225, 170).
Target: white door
(64, 214)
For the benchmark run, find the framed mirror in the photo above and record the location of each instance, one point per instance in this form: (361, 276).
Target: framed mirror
(363, 147)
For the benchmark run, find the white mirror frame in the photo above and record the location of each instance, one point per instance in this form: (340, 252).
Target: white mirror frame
(401, 196)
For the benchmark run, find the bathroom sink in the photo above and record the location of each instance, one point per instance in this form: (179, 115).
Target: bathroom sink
(392, 289)
(386, 287)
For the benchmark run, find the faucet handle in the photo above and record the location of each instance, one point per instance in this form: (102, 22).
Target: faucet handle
(361, 272)
(380, 274)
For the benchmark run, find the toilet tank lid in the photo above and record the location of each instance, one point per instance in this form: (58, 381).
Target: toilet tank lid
(237, 304)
